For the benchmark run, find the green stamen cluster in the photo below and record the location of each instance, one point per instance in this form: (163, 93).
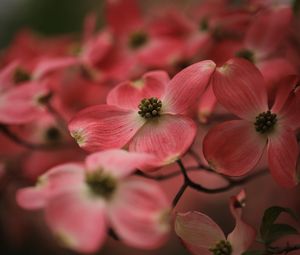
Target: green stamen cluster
(101, 184)
(150, 108)
(137, 40)
(222, 248)
(265, 122)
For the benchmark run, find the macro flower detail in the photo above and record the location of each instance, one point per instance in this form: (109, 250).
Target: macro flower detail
(82, 200)
(150, 108)
(148, 115)
(265, 121)
(202, 236)
(235, 147)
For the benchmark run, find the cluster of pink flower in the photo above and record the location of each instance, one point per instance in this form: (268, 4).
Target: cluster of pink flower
(113, 94)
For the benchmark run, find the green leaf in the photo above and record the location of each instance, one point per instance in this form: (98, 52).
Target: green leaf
(276, 231)
(271, 214)
(254, 253)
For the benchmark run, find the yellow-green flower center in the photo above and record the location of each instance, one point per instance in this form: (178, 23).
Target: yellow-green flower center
(150, 108)
(222, 248)
(101, 184)
(265, 122)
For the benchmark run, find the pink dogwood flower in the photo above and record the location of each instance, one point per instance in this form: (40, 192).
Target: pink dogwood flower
(235, 147)
(202, 236)
(82, 200)
(147, 115)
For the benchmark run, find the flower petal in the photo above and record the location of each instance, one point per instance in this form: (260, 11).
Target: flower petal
(289, 114)
(46, 66)
(104, 127)
(21, 104)
(233, 147)
(140, 214)
(31, 198)
(243, 234)
(268, 30)
(198, 230)
(285, 87)
(187, 86)
(207, 105)
(58, 179)
(130, 93)
(168, 137)
(78, 222)
(239, 87)
(119, 163)
(283, 152)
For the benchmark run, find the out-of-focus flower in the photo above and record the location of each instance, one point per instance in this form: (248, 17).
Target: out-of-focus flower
(82, 200)
(146, 115)
(202, 236)
(235, 147)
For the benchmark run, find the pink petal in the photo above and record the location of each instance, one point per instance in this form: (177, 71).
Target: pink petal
(96, 49)
(168, 137)
(207, 105)
(78, 222)
(139, 214)
(233, 147)
(130, 93)
(159, 52)
(273, 70)
(122, 15)
(31, 198)
(268, 30)
(6, 76)
(187, 86)
(285, 87)
(119, 163)
(243, 234)
(239, 87)
(21, 104)
(46, 66)
(57, 180)
(197, 231)
(289, 115)
(283, 152)
(104, 126)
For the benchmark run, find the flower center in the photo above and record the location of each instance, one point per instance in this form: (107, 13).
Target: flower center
(222, 248)
(101, 184)
(246, 54)
(20, 75)
(265, 122)
(53, 134)
(138, 39)
(150, 108)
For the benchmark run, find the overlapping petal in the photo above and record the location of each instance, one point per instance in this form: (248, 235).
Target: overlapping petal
(283, 152)
(233, 147)
(119, 163)
(130, 93)
(140, 215)
(104, 127)
(187, 86)
(79, 223)
(168, 137)
(21, 104)
(239, 87)
(198, 231)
